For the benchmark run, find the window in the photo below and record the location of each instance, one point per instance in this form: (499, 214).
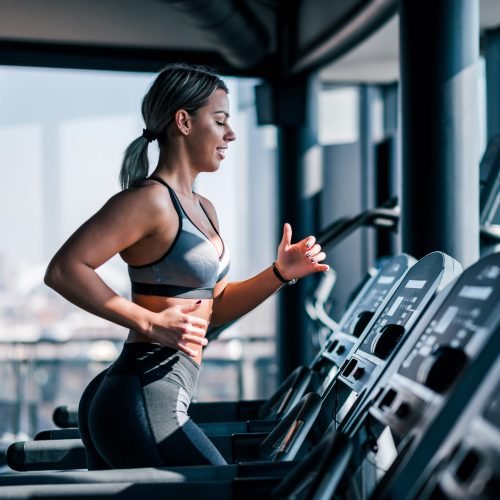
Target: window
(62, 137)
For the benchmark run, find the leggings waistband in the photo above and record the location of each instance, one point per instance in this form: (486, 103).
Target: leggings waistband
(153, 362)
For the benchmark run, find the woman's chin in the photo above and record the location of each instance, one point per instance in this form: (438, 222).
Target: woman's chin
(213, 168)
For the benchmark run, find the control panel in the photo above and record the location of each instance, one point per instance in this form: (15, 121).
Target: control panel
(440, 353)
(457, 345)
(358, 316)
(467, 463)
(361, 311)
(375, 349)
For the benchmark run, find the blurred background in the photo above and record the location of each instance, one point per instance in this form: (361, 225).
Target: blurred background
(63, 132)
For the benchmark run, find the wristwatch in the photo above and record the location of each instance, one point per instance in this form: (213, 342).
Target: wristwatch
(283, 280)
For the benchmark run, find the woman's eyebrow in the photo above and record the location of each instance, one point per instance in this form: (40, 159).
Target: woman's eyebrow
(221, 112)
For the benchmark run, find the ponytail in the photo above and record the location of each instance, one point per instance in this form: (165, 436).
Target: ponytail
(135, 165)
(178, 86)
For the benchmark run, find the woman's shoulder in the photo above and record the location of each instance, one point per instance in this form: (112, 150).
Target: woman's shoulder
(149, 199)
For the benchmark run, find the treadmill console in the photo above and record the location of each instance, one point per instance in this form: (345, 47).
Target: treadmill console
(387, 334)
(467, 464)
(361, 311)
(441, 350)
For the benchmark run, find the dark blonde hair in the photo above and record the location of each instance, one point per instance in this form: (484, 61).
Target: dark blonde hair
(178, 86)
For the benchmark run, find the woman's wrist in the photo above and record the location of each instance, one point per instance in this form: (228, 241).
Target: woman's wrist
(278, 272)
(145, 322)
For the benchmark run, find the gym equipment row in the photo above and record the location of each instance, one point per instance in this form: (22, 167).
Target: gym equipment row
(380, 408)
(405, 410)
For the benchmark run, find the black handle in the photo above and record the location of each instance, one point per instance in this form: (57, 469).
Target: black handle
(322, 469)
(285, 440)
(65, 416)
(287, 394)
(381, 218)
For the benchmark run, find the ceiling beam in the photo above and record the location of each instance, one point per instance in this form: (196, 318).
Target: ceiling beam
(98, 57)
(237, 33)
(337, 42)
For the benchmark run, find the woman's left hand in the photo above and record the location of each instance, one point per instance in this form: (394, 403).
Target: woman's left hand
(299, 259)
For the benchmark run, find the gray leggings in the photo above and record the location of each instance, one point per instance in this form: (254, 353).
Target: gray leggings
(134, 414)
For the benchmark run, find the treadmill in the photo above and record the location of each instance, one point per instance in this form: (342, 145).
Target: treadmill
(471, 304)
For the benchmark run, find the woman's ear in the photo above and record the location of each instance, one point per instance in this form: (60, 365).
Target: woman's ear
(182, 121)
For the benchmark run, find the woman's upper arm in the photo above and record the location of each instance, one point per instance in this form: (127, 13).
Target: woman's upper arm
(125, 219)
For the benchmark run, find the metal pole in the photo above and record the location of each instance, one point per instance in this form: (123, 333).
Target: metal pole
(296, 206)
(492, 60)
(368, 177)
(439, 53)
(294, 115)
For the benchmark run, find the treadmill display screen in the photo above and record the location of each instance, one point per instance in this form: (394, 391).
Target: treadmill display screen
(386, 280)
(463, 315)
(416, 284)
(476, 292)
(446, 319)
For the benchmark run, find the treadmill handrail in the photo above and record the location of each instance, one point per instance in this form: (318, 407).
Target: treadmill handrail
(490, 233)
(383, 218)
(322, 469)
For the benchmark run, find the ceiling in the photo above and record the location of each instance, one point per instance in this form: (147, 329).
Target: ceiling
(235, 36)
(376, 58)
(239, 37)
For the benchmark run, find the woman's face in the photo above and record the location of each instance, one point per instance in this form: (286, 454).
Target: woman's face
(210, 133)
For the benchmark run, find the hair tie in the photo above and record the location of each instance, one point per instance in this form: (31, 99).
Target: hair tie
(148, 135)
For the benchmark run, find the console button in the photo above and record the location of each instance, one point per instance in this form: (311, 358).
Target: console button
(404, 409)
(441, 369)
(362, 321)
(386, 340)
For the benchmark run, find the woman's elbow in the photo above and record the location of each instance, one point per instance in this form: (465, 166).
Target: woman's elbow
(54, 274)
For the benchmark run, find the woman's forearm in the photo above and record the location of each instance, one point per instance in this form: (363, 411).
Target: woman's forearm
(82, 286)
(240, 297)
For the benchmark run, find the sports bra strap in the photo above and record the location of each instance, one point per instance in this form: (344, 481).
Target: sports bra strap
(173, 196)
(178, 204)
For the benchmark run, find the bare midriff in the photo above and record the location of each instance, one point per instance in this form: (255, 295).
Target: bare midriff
(157, 304)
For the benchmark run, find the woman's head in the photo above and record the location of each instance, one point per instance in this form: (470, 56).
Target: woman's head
(178, 86)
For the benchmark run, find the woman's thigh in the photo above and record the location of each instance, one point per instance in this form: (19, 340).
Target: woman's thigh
(134, 423)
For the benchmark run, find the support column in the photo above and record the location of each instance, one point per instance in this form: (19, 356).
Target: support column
(368, 177)
(293, 112)
(438, 62)
(299, 167)
(392, 151)
(492, 60)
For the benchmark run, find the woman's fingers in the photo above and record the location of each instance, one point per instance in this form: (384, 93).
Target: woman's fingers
(313, 252)
(318, 257)
(199, 323)
(286, 239)
(177, 328)
(195, 331)
(308, 242)
(193, 338)
(322, 268)
(187, 350)
(187, 308)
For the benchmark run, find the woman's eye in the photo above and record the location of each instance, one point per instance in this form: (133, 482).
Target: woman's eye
(221, 123)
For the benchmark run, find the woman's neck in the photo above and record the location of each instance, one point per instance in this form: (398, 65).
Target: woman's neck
(176, 171)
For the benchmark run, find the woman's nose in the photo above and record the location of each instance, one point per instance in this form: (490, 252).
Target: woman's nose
(230, 135)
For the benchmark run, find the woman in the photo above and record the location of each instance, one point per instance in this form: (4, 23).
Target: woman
(135, 413)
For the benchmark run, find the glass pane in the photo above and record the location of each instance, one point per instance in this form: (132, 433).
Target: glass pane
(62, 137)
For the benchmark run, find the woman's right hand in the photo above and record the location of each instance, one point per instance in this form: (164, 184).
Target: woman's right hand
(175, 327)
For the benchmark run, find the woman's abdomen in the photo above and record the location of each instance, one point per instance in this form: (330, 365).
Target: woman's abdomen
(158, 304)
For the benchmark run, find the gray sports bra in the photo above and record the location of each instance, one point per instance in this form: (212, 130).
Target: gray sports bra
(191, 266)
